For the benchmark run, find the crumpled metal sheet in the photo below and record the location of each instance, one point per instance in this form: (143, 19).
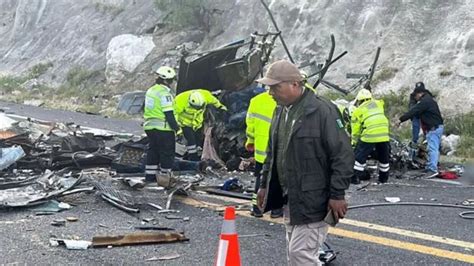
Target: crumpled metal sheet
(47, 186)
(104, 184)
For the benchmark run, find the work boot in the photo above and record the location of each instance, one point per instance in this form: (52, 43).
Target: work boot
(383, 177)
(276, 213)
(365, 175)
(165, 180)
(355, 180)
(256, 212)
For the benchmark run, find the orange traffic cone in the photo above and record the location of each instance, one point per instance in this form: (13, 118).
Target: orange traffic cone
(228, 252)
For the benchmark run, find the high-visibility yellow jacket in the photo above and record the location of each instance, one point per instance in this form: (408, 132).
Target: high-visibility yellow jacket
(158, 100)
(258, 120)
(188, 116)
(369, 123)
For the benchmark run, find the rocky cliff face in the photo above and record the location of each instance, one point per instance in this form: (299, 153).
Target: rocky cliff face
(67, 33)
(431, 41)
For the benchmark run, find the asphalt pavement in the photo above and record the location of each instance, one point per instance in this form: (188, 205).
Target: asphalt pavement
(390, 235)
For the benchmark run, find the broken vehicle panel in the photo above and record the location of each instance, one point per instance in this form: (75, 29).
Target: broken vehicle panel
(138, 238)
(44, 187)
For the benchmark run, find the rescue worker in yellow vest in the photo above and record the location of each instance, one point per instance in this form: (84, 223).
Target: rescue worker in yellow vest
(160, 126)
(189, 111)
(370, 130)
(258, 120)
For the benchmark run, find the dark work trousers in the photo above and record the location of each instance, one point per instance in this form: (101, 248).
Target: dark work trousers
(382, 151)
(160, 153)
(257, 173)
(193, 140)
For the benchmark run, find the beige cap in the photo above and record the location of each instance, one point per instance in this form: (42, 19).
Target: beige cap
(281, 71)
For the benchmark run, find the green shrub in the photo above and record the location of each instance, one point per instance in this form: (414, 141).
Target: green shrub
(396, 103)
(10, 83)
(79, 76)
(466, 147)
(39, 69)
(461, 124)
(445, 73)
(384, 75)
(334, 95)
(184, 13)
(114, 10)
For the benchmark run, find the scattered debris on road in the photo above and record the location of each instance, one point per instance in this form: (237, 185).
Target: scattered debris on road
(165, 257)
(392, 199)
(138, 238)
(70, 243)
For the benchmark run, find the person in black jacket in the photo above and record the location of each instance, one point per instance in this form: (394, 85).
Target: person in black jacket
(428, 110)
(309, 163)
(415, 121)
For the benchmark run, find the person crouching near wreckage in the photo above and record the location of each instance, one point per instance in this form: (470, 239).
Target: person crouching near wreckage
(309, 163)
(370, 130)
(189, 111)
(160, 127)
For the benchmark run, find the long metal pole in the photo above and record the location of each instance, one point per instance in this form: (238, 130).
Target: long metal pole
(278, 30)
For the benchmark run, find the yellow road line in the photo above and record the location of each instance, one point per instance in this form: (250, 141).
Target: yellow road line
(442, 253)
(393, 230)
(387, 229)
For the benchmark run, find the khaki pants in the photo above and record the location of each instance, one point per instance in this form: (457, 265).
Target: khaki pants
(303, 241)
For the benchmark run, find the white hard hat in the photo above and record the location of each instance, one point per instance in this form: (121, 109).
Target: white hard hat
(364, 94)
(166, 72)
(196, 100)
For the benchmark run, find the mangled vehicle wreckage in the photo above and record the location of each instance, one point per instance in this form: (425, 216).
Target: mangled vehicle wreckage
(60, 159)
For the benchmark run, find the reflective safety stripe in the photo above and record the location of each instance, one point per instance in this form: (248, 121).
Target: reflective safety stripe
(372, 115)
(228, 227)
(384, 167)
(222, 252)
(260, 152)
(151, 167)
(192, 148)
(372, 105)
(377, 125)
(359, 167)
(158, 123)
(254, 199)
(261, 117)
(376, 135)
(165, 170)
(151, 172)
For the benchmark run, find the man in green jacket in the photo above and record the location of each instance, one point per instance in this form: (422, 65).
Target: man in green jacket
(309, 163)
